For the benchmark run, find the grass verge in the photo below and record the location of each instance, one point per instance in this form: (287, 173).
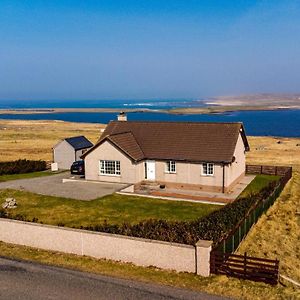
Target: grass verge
(220, 285)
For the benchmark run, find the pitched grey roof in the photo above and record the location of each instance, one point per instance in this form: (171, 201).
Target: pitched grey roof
(79, 142)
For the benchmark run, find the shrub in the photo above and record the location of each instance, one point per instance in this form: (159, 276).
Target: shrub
(22, 166)
(212, 227)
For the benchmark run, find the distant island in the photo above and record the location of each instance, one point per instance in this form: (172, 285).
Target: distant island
(221, 104)
(224, 104)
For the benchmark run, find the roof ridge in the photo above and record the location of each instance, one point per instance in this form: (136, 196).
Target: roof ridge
(72, 137)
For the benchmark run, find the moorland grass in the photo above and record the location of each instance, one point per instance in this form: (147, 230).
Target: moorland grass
(277, 232)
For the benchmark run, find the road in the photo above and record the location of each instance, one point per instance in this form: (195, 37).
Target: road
(29, 280)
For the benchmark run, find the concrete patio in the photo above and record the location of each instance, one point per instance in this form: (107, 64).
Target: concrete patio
(199, 195)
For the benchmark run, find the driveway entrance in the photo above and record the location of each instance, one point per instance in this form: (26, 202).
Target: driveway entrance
(53, 186)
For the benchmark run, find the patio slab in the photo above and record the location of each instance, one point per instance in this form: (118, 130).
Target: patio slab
(201, 195)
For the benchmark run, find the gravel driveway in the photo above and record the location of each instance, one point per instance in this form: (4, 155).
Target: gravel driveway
(53, 186)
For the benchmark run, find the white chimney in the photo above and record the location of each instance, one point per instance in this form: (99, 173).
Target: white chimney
(122, 116)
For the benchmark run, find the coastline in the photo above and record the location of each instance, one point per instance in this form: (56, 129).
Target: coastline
(217, 109)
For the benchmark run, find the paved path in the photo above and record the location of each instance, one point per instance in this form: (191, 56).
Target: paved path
(26, 280)
(53, 186)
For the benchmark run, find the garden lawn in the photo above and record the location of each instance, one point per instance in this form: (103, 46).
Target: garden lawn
(115, 209)
(259, 182)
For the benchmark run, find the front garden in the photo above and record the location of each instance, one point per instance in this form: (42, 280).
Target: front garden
(174, 221)
(114, 209)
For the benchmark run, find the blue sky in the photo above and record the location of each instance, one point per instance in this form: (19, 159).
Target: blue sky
(147, 49)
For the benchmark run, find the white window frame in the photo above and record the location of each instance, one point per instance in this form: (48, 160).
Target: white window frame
(103, 167)
(208, 169)
(171, 167)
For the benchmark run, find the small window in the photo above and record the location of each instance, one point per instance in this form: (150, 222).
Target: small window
(208, 169)
(171, 166)
(110, 167)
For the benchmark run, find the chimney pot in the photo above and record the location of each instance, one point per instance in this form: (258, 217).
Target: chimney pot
(122, 116)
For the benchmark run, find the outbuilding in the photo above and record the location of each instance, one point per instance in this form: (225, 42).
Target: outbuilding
(69, 150)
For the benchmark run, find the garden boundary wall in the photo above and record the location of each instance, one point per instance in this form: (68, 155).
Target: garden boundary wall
(141, 252)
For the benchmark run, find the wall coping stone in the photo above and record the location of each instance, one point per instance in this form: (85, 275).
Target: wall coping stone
(204, 243)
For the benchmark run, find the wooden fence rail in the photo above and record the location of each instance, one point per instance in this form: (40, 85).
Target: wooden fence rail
(245, 267)
(268, 170)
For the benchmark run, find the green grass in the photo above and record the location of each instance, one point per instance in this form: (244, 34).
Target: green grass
(115, 209)
(26, 175)
(221, 285)
(259, 182)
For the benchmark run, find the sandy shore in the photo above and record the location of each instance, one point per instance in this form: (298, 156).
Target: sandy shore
(189, 110)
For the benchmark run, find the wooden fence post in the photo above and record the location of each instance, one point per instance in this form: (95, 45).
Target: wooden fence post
(245, 265)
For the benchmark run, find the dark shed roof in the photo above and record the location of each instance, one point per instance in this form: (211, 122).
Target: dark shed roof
(185, 141)
(79, 142)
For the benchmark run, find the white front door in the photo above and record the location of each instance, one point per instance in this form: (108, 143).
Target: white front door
(150, 170)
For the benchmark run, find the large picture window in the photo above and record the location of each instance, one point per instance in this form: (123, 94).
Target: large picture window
(171, 166)
(110, 167)
(208, 169)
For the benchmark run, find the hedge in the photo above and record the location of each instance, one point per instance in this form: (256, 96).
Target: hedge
(22, 166)
(213, 227)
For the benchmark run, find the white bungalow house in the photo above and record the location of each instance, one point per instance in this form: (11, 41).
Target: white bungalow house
(184, 155)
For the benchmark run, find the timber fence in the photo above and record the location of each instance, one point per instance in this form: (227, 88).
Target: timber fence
(222, 259)
(230, 243)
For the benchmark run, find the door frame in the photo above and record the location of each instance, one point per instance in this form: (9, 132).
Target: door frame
(149, 163)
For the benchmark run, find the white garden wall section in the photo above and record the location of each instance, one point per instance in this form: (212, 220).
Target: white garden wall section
(142, 252)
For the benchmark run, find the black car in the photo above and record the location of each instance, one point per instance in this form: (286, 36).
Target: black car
(77, 167)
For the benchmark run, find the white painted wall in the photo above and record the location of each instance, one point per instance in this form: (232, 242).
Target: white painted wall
(186, 173)
(189, 173)
(238, 167)
(142, 252)
(64, 155)
(130, 172)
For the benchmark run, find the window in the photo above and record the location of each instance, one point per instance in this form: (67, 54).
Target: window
(208, 169)
(110, 167)
(171, 167)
